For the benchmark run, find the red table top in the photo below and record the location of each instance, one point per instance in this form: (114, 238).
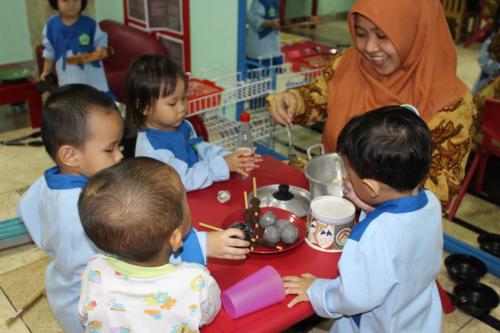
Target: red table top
(302, 259)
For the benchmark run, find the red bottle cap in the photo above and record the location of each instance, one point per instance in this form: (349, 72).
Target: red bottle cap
(245, 117)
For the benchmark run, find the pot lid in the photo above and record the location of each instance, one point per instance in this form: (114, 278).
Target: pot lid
(291, 198)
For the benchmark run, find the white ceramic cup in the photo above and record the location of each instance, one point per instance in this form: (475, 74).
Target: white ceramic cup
(329, 223)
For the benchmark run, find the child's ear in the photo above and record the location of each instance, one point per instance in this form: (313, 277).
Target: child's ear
(373, 186)
(69, 156)
(176, 240)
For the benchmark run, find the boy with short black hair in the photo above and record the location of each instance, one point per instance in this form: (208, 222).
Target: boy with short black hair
(137, 211)
(389, 264)
(81, 130)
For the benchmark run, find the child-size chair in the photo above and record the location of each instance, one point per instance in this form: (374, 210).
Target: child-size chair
(490, 126)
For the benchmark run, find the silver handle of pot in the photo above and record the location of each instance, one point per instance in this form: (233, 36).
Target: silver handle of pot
(317, 145)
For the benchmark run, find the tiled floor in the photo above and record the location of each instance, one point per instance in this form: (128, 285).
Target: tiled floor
(22, 267)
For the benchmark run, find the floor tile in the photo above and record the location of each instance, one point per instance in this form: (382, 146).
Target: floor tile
(6, 311)
(8, 202)
(19, 256)
(459, 232)
(480, 213)
(476, 326)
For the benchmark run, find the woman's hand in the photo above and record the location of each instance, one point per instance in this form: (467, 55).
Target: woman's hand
(297, 285)
(227, 244)
(283, 107)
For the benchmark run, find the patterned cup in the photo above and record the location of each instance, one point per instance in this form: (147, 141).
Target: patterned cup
(329, 223)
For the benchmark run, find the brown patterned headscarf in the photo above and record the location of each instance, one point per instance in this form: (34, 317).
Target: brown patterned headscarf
(426, 78)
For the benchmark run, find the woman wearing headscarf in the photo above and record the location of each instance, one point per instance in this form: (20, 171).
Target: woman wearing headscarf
(403, 54)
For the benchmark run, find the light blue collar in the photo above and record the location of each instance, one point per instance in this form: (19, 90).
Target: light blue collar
(60, 181)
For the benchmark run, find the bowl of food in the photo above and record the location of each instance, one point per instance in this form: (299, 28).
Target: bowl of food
(462, 267)
(475, 299)
(490, 243)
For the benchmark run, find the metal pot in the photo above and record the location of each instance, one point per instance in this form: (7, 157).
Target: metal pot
(287, 197)
(325, 173)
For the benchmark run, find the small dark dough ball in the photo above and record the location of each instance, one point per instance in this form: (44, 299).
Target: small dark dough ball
(289, 234)
(267, 219)
(271, 235)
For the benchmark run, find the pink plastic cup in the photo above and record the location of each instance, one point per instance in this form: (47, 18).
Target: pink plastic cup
(261, 289)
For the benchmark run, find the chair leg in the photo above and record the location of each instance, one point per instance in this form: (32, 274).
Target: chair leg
(482, 170)
(468, 178)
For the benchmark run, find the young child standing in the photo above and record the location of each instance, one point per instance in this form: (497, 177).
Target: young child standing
(156, 99)
(70, 34)
(137, 212)
(81, 130)
(389, 264)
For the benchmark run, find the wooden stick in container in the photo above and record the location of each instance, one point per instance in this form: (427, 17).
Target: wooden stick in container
(245, 197)
(210, 227)
(254, 187)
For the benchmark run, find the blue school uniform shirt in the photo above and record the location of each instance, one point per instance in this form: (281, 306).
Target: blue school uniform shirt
(197, 162)
(262, 43)
(387, 271)
(49, 209)
(61, 41)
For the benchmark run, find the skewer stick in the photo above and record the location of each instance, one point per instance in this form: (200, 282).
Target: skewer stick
(210, 227)
(25, 307)
(254, 187)
(245, 197)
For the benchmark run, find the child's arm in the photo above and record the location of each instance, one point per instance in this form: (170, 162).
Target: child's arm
(240, 163)
(210, 301)
(48, 55)
(227, 244)
(298, 285)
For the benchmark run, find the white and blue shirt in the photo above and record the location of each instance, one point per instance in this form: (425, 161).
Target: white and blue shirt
(197, 162)
(262, 43)
(387, 271)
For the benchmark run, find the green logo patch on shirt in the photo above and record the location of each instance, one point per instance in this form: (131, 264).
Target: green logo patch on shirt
(271, 12)
(84, 39)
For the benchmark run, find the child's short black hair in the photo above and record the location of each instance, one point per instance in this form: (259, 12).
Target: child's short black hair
(131, 208)
(150, 78)
(391, 144)
(65, 115)
(54, 5)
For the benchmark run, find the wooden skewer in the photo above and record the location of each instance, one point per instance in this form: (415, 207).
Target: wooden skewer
(254, 187)
(210, 227)
(245, 197)
(25, 307)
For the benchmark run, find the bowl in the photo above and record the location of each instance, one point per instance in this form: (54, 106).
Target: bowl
(462, 267)
(490, 243)
(475, 299)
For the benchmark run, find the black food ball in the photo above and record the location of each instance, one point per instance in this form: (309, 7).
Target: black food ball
(289, 234)
(243, 227)
(267, 219)
(271, 235)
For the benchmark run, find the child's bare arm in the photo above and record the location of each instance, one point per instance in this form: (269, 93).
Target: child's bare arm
(48, 64)
(227, 244)
(297, 285)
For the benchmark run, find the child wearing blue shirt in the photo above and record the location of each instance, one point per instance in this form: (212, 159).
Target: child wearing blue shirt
(389, 264)
(70, 34)
(156, 99)
(81, 130)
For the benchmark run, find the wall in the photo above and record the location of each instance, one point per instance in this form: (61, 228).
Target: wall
(299, 8)
(14, 34)
(109, 10)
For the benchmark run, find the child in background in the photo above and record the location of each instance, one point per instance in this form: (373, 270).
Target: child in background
(71, 34)
(263, 35)
(137, 212)
(81, 130)
(156, 99)
(389, 264)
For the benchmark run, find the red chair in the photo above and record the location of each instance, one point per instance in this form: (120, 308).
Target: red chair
(490, 126)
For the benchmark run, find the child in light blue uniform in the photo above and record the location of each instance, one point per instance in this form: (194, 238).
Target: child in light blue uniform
(156, 99)
(263, 44)
(81, 131)
(389, 264)
(71, 33)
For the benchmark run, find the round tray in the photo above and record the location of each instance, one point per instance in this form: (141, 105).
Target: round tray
(280, 214)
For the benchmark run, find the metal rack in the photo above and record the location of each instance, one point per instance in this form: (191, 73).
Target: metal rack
(251, 88)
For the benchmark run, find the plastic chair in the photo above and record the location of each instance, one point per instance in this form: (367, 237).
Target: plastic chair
(490, 126)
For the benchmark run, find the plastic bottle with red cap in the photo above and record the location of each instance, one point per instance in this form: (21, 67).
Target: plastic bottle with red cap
(245, 143)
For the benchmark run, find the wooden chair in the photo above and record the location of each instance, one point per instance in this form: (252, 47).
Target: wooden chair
(457, 12)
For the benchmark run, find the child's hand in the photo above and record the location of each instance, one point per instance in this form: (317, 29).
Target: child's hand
(242, 162)
(297, 285)
(227, 244)
(352, 196)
